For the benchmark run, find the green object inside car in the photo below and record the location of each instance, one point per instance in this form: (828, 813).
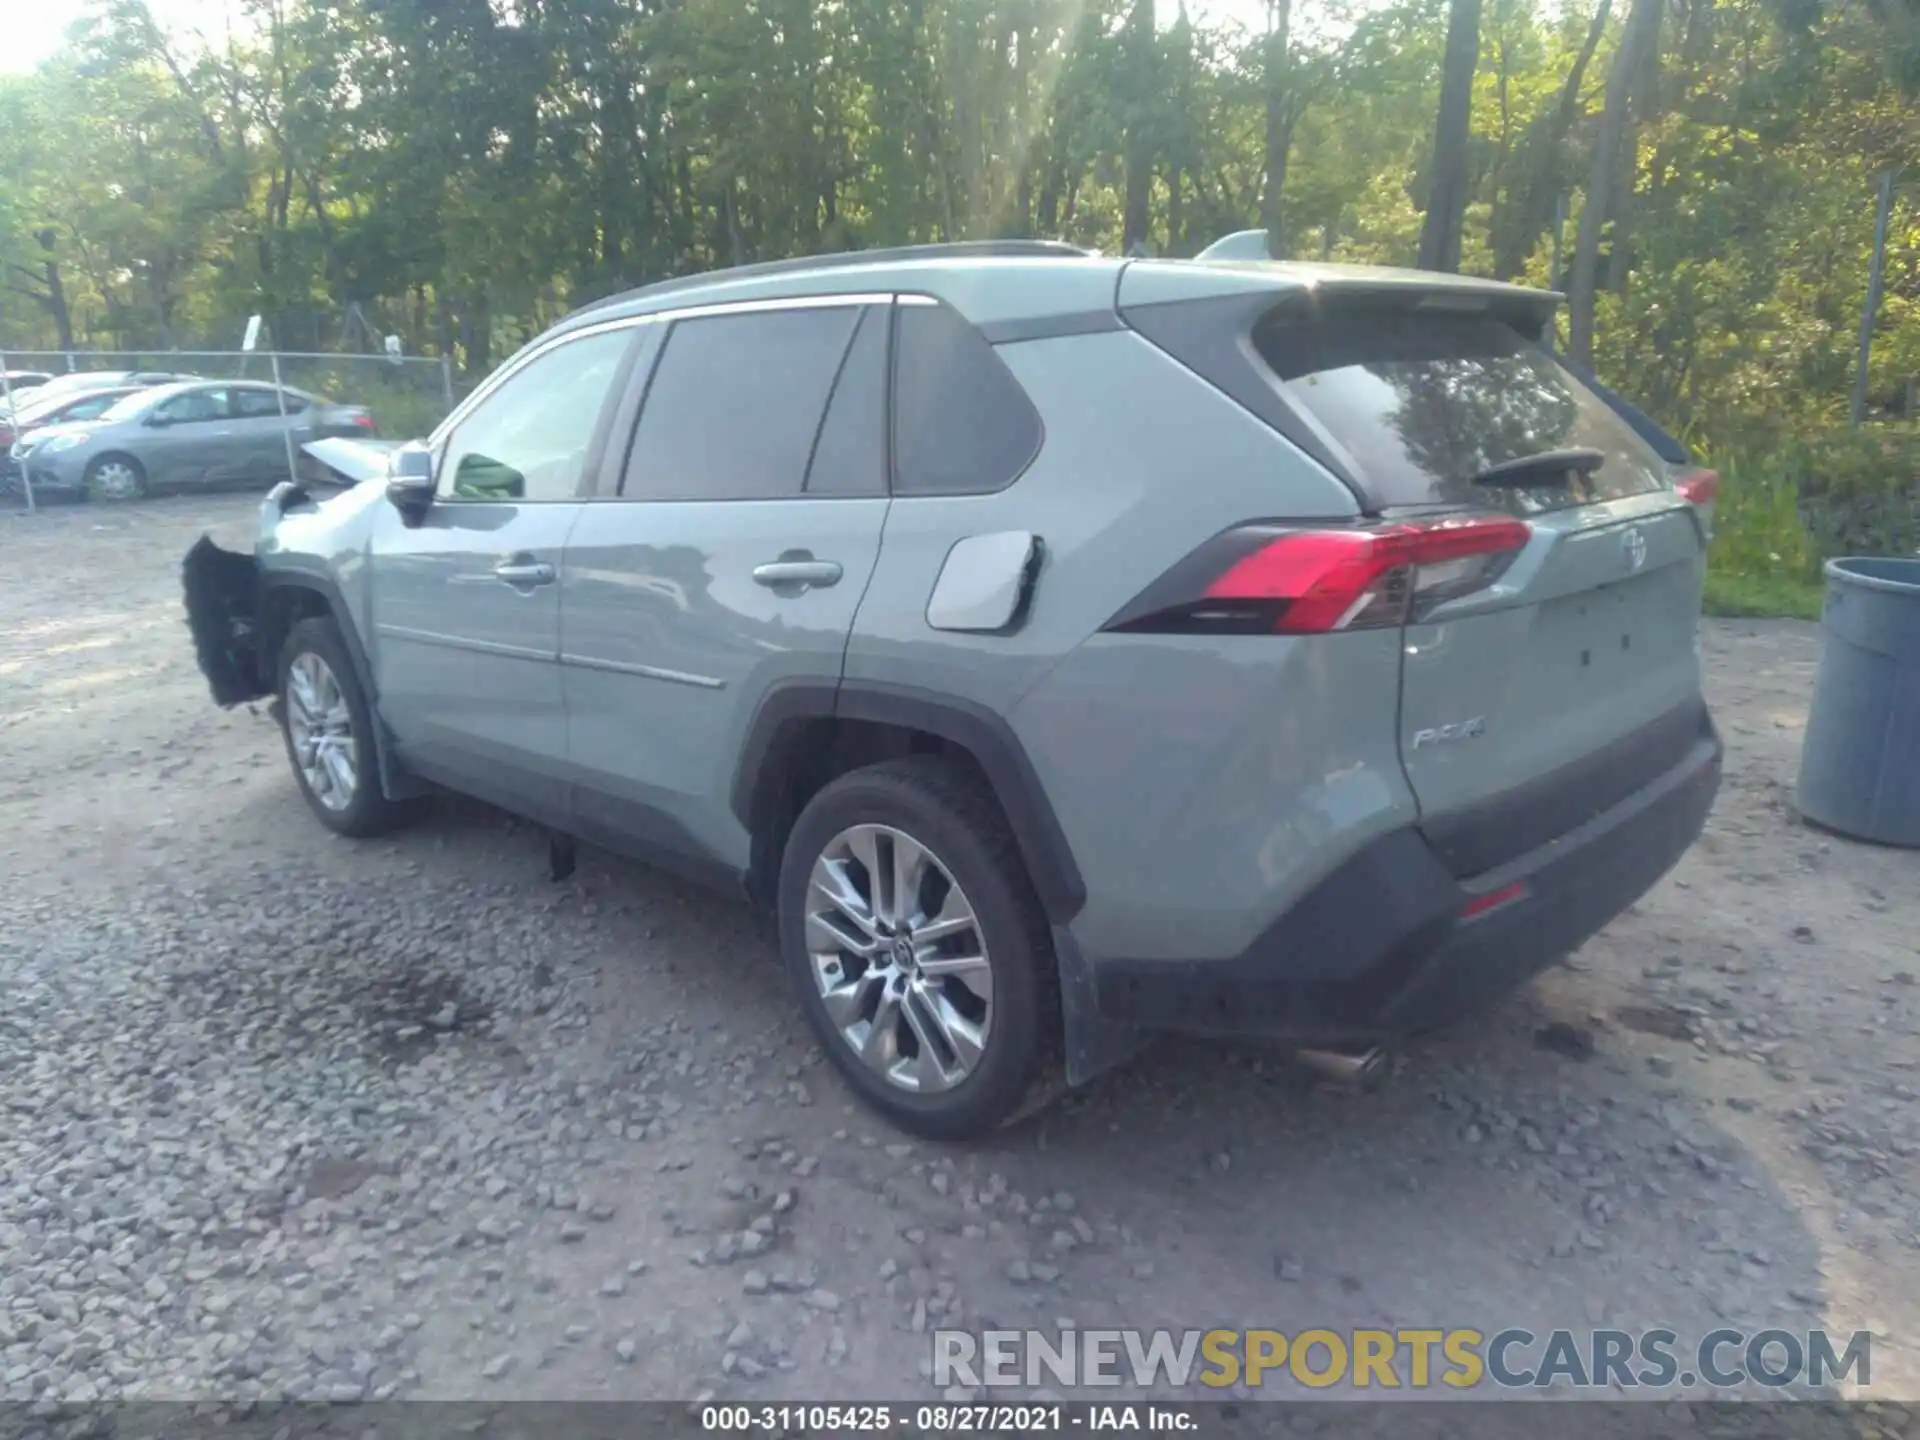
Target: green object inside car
(481, 478)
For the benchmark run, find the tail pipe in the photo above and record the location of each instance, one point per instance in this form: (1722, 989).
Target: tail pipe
(1351, 1066)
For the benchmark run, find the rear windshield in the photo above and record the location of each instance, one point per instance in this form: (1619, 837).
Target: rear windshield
(1420, 404)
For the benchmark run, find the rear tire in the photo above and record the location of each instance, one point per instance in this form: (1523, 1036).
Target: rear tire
(112, 479)
(328, 728)
(934, 991)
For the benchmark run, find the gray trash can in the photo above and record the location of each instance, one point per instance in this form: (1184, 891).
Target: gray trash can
(1860, 765)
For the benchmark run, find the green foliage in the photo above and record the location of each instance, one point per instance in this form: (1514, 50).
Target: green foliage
(1763, 560)
(462, 172)
(1785, 510)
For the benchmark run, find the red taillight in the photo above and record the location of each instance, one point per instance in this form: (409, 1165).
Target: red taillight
(1699, 487)
(1311, 582)
(364, 421)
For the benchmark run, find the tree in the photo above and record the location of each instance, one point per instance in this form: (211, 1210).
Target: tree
(1448, 183)
(1642, 32)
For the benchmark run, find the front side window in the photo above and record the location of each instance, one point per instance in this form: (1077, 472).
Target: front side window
(194, 407)
(529, 439)
(735, 405)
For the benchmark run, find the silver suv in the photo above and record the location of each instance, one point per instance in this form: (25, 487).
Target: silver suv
(1065, 648)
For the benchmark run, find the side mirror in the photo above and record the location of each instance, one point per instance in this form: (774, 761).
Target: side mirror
(410, 481)
(157, 421)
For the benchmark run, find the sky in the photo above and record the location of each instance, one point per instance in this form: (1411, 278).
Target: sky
(36, 27)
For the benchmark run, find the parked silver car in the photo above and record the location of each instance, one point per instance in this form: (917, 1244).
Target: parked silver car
(202, 433)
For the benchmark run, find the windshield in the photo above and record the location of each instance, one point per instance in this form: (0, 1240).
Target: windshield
(127, 407)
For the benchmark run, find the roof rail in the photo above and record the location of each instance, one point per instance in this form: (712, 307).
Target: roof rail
(802, 264)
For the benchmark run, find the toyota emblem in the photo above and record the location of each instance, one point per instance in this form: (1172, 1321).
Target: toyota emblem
(1634, 545)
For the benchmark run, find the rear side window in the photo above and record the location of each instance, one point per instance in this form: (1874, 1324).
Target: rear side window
(961, 423)
(259, 404)
(1421, 404)
(735, 404)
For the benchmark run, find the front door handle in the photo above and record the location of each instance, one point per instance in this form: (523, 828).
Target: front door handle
(797, 573)
(525, 572)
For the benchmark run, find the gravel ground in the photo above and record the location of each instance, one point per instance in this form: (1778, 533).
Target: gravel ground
(286, 1115)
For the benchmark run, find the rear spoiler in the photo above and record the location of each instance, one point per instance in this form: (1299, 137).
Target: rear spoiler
(349, 462)
(1244, 253)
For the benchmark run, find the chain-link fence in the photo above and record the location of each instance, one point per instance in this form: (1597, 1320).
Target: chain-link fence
(407, 395)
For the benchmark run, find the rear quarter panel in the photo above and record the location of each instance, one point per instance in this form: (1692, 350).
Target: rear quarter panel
(1200, 784)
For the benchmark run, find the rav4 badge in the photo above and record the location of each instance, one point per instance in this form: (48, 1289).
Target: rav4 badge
(1441, 734)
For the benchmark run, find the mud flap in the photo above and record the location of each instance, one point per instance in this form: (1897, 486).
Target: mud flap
(223, 607)
(1094, 1043)
(560, 855)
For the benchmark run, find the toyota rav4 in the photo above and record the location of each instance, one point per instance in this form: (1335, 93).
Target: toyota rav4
(1064, 648)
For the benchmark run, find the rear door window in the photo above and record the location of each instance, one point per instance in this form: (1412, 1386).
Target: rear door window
(259, 404)
(1420, 404)
(850, 456)
(735, 405)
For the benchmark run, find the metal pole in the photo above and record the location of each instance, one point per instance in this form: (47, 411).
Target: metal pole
(6, 390)
(280, 394)
(1884, 213)
(446, 382)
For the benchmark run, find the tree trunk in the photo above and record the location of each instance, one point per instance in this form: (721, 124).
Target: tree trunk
(1278, 64)
(476, 338)
(1530, 206)
(1448, 181)
(1135, 215)
(54, 298)
(1645, 109)
(1642, 30)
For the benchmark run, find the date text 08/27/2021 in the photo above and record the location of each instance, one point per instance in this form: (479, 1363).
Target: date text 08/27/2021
(963, 1419)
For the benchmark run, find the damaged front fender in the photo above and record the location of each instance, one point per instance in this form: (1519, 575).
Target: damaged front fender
(223, 615)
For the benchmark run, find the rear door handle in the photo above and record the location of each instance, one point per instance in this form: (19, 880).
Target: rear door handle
(778, 574)
(525, 572)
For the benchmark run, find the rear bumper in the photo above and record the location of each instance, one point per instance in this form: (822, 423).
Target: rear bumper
(1381, 948)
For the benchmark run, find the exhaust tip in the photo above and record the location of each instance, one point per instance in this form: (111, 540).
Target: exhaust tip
(1349, 1066)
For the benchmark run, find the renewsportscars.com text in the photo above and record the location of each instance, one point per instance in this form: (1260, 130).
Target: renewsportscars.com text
(1413, 1359)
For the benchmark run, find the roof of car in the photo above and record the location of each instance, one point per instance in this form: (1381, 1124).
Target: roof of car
(999, 281)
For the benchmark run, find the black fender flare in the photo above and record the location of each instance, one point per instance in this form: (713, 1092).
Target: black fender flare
(393, 779)
(970, 726)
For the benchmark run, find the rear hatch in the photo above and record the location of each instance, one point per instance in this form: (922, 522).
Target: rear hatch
(1572, 679)
(1529, 542)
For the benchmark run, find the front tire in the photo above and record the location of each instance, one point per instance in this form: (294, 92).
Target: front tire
(328, 727)
(922, 957)
(111, 479)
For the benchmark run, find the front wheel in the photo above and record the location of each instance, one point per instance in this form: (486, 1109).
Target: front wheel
(919, 949)
(329, 732)
(113, 478)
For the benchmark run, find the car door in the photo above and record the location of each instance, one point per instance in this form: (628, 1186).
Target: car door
(260, 432)
(730, 555)
(464, 604)
(186, 437)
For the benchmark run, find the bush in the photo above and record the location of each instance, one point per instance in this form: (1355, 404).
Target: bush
(1764, 560)
(1787, 508)
(1860, 491)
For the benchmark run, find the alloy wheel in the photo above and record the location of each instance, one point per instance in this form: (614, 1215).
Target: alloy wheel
(116, 480)
(899, 958)
(320, 726)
